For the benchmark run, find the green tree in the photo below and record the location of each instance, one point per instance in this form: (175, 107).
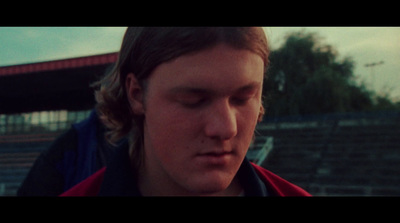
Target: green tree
(306, 77)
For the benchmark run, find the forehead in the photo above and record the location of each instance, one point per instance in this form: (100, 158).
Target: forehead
(219, 68)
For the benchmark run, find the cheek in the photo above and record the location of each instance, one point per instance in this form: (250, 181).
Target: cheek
(171, 144)
(170, 122)
(170, 131)
(250, 113)
(247, 121)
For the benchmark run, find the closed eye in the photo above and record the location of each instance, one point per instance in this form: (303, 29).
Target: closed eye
(190, 97)
(239, 101)
(193, 104)
(189, 100)
(242, 96)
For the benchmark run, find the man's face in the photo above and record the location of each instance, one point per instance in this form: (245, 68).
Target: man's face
(201, 110)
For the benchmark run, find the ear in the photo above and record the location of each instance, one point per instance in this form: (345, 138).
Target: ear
(135, 94)
(261, 113)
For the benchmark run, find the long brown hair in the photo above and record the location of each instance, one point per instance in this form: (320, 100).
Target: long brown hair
(142, 50)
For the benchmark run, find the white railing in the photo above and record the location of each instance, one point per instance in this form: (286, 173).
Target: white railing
(258, 156)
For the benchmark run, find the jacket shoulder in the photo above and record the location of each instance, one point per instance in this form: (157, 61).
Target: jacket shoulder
(88, 187)
(278, 185)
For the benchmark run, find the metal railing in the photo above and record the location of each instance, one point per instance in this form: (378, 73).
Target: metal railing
(259, 152)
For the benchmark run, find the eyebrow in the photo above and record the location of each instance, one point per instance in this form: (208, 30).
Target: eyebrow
(206, 91)
(249, 87)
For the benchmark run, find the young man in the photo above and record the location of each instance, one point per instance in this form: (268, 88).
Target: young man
(189, 100)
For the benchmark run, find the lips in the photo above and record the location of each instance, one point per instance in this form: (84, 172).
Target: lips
(215, 154)
(214, 158)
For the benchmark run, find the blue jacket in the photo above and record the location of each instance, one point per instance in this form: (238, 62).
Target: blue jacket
(80, 163)
(72, 157)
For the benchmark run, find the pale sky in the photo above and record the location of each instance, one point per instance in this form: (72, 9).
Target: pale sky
(21, 45)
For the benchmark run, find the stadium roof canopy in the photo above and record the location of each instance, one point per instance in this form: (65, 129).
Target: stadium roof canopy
(52, 85)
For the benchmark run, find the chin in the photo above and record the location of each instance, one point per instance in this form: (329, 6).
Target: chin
(210, 185)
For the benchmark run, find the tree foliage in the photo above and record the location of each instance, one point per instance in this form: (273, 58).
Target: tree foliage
(306, 77)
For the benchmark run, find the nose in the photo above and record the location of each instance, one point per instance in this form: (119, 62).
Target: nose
(221, 122)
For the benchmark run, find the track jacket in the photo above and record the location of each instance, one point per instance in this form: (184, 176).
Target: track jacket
(117, 180)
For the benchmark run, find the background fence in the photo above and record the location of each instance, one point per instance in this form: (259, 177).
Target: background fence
(350, 154)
